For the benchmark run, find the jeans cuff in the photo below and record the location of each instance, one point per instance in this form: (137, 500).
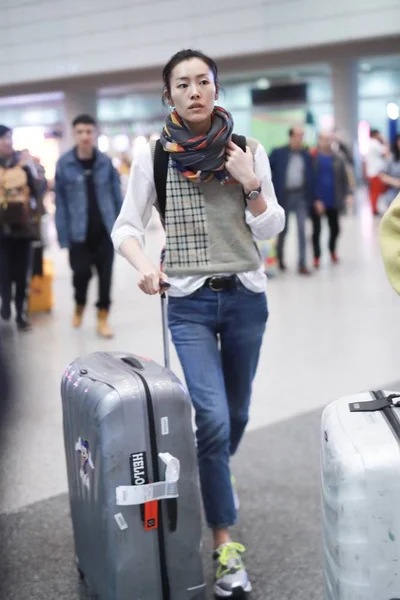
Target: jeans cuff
(223, 526)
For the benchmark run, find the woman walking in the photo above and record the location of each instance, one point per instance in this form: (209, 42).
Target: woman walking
(219, 199)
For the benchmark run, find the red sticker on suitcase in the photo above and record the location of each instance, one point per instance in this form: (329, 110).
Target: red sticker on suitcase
(151, 515)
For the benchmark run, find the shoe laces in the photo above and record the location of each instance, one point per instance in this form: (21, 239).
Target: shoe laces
(229, 558)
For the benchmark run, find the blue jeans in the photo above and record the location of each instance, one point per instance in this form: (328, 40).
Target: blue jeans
(295, 202)
(218, 337)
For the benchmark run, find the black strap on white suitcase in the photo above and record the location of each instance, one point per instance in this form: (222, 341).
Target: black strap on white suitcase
(382, 403)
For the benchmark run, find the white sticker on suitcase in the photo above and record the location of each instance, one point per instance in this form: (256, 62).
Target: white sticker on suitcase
(82, 447)
(164, 426)
(122, 524)
(131, 495)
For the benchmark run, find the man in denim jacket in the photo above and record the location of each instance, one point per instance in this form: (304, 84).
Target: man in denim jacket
(88, 201)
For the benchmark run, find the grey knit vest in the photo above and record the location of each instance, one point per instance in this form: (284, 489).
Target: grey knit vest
(205, 227)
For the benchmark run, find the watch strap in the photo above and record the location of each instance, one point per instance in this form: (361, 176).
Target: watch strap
(258, 190)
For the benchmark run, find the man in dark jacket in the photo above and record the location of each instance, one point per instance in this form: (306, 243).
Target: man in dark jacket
(88, 201)
(293, 179)
(20, 211)
(331, 188)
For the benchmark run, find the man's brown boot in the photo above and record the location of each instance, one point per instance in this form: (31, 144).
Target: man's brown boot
(78, 316)
(103, 328)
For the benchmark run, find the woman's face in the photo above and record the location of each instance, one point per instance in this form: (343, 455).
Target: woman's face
(193, 93)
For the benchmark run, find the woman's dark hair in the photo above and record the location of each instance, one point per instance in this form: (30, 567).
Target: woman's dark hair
(4, 130)
(179, 57)
(396, 149)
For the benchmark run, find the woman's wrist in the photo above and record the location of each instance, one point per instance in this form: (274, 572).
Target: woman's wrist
(133, 252)
(250, 183)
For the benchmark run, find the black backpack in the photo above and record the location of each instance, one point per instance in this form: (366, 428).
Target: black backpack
(160, 167)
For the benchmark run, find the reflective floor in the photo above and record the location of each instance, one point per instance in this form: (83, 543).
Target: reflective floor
(335, 332)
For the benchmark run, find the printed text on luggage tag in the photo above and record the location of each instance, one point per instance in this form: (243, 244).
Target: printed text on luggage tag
(139, 477)
(138, 464)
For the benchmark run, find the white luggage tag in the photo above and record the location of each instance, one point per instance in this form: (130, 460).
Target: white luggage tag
(173, 467)
(132, 495)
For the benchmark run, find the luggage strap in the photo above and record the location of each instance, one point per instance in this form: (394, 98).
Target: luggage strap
(131, 495)
(379, 403)
(384, 404)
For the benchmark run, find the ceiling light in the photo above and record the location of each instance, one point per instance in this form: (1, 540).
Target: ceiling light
(392, 111)
(365, 67)
(263, 83)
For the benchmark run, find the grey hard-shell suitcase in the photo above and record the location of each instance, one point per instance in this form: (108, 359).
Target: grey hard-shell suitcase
(127, 425)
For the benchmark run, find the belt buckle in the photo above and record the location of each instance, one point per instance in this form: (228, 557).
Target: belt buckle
(216, 288)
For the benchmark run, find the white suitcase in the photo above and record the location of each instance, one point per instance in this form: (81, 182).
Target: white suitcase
(360, 464)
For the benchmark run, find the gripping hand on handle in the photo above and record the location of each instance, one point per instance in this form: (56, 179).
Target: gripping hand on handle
(150, 277)
(152, 281)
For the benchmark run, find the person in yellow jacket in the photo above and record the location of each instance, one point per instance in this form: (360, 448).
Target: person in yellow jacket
(389, 237)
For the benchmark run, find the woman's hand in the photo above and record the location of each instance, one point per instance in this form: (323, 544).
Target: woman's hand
(241, 166)
(150, 281)
(319, 207)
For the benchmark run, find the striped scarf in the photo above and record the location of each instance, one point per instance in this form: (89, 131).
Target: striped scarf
(202, 157)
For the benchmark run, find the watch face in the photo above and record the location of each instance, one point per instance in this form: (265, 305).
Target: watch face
(253, 195)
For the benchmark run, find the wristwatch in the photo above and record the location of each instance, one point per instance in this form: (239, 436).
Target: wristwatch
(253, 195)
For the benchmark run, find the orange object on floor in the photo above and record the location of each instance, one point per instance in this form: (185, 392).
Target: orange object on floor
(41, 298)
(376, 188)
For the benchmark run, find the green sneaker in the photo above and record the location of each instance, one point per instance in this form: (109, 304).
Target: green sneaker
(231, 579)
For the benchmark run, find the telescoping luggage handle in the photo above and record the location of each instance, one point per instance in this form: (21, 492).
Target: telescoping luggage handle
(172, 504)
(164, 317)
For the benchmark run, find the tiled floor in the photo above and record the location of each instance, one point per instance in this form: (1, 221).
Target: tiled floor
(279, 524)
(332, 333)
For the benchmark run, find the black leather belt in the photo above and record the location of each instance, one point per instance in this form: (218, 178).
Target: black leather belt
(221, 284)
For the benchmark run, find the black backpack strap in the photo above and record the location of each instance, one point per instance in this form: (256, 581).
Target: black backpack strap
(240, 141)
(160, 168)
